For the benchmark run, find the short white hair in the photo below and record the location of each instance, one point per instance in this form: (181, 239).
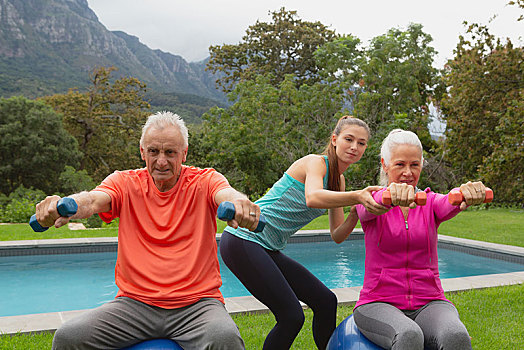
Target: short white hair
(163, 119)
(395, 138)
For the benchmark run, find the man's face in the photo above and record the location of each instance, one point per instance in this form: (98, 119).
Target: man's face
(164, 151)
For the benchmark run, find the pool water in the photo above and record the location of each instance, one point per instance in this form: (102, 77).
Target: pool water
(51, 283)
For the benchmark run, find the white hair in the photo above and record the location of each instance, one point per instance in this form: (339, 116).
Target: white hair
(395, 138)
(163, 119)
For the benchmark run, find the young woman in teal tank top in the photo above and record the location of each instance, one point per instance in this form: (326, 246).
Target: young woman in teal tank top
(310, 185)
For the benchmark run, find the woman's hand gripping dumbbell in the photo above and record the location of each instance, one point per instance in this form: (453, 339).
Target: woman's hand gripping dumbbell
(420, 197)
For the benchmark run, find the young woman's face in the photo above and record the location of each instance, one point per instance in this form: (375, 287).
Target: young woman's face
(405, 165)
(351, 143)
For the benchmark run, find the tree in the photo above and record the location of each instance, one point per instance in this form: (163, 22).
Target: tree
(398, 77)
(34, 146)
(484, 112)
(106, 120)
(73, 181)
(256, 139)
(392, 77)
(520, 4)
(20, 204)
(508, 155)
(284, 46)
(390, 84)
(339, 61)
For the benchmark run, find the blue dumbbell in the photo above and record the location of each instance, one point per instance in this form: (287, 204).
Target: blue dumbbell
(226, 211)
(65, 206)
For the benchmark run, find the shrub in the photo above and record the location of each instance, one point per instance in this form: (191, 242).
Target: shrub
(20, 204)
(113, 223)
(34, 146)
(93, 221)
(74, 181)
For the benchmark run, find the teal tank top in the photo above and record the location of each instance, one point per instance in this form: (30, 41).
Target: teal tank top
(286, 212)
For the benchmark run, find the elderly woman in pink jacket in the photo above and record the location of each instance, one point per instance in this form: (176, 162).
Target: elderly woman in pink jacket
(402, 303)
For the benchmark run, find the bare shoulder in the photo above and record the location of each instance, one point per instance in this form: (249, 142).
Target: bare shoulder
(315, 159)
(308, 160)
(306, 164)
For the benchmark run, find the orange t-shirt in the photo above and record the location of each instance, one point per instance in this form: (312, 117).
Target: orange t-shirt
(167, 252)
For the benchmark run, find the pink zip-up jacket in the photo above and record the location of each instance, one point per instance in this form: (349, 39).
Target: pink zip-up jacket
(401, 266)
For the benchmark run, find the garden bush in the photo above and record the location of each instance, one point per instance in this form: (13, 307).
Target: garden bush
(20, 204)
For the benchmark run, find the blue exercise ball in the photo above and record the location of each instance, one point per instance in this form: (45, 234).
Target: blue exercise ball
(347, 337)
(155, 344)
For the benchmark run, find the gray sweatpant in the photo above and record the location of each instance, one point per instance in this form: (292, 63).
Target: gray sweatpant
(123, 322)
(436, 325)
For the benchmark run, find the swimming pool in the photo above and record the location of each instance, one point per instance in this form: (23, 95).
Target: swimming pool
(50, 283)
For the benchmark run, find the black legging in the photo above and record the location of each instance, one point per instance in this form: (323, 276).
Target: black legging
(280, 282)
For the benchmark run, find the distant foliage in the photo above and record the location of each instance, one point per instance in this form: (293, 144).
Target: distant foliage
(34, 146)
(74, 181)
(286, 45)
(106, 120)
(398, 77)
(93, 221)
(20, 204)
(266, 130)
(277, 118)
(520, 4)
(389, 84)
(189, 107)
(484, 111)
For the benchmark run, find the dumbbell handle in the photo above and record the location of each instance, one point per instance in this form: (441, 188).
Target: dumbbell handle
(226, 211)
(420, 197)
(66, 207)
(456, 197)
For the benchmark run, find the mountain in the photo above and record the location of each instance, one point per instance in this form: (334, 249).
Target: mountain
(49, 46)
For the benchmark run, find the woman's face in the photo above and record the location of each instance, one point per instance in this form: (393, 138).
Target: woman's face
(350, 144)
(405, 165)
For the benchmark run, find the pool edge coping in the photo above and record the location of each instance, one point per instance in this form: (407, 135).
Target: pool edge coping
(49, 322)
(357, 233)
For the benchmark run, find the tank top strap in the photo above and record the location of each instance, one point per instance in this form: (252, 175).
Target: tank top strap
(326, 177)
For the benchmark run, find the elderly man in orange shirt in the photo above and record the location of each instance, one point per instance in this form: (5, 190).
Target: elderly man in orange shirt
(167, 267)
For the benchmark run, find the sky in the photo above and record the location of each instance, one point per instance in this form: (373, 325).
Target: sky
(187, 28)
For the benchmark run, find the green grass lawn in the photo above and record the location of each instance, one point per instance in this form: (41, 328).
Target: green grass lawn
(497, 225)
(16, 232)
(493, 317)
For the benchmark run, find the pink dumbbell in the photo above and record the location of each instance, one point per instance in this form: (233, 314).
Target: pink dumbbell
(420, 198)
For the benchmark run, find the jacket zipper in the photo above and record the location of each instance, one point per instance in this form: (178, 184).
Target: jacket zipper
(407, 266)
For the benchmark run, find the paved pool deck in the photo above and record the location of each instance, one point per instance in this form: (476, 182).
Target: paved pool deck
(49, 322)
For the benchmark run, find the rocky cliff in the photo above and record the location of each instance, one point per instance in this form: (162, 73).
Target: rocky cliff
(49, 46)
